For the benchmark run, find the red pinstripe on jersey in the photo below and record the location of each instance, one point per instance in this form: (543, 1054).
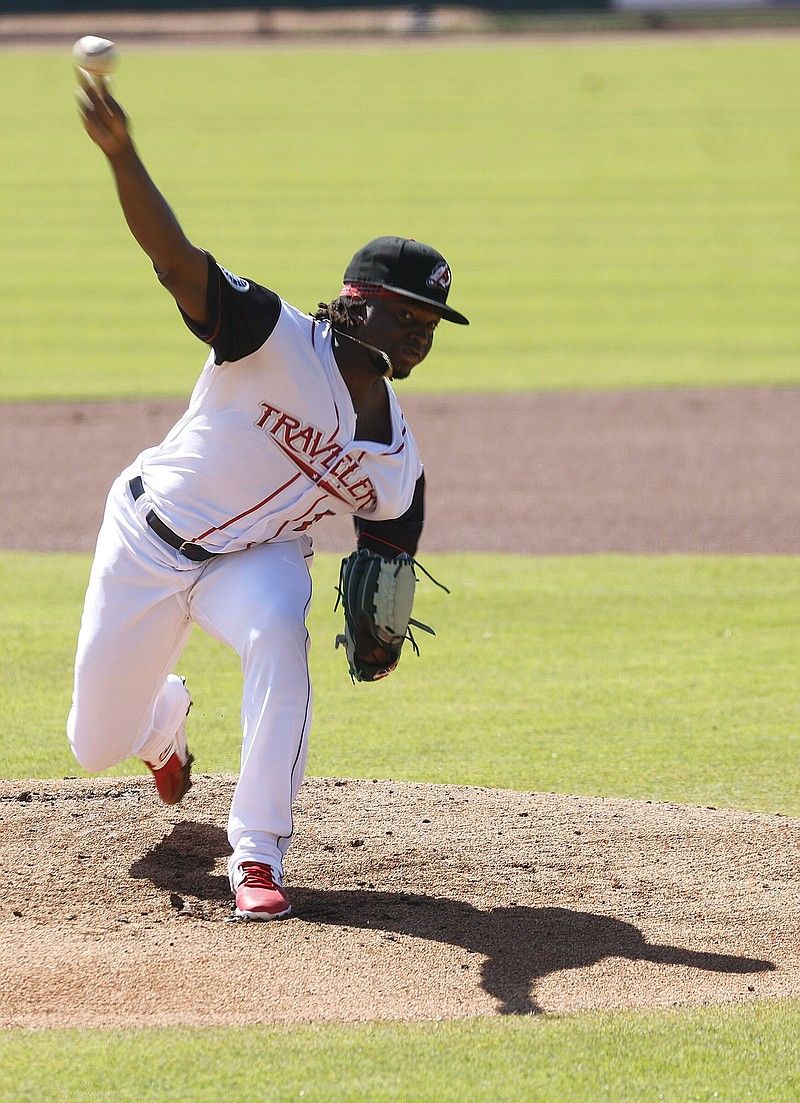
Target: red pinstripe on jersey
(239, 516)
(295, 520)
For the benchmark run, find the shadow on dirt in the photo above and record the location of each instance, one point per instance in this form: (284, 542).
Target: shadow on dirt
(183, 862)
(520, 945)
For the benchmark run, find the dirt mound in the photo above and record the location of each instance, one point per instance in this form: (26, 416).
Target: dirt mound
(411, 902)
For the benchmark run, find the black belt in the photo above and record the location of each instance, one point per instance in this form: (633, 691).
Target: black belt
(191, 551)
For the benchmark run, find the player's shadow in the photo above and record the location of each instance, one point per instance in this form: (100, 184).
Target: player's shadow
(519, 945)
(183, 863)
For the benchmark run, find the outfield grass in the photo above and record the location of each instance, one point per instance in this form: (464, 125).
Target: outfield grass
(663, 678)
(615, 214)
(731, 1055)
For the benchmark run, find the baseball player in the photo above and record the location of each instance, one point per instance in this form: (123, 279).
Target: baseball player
(291, 420)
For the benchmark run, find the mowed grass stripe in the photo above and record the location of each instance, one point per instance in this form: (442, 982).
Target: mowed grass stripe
(615, 214)
(730, 1055)
(661, 678)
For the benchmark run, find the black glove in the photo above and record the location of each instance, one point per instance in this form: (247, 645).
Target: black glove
(377, 595)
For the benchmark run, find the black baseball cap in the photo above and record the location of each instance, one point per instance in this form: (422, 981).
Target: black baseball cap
(404, 267)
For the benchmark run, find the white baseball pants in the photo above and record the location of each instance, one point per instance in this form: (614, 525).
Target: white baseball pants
(141, 602)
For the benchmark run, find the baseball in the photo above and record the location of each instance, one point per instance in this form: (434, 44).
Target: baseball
(95, 55)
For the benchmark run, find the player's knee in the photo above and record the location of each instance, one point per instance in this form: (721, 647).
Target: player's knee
(279, 623)
(88, 747)
(279, 617)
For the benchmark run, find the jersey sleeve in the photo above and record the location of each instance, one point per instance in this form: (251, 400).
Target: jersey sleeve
(242, 314)
(399, 534)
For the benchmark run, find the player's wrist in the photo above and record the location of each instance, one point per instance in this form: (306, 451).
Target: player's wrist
(123, 155)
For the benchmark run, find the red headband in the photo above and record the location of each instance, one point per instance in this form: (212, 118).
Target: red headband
(367, 291)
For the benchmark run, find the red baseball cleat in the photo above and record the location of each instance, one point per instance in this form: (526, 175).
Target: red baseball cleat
(258, 894)
(173, 779)
(172, 770)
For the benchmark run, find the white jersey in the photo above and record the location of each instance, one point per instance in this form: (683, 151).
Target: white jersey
(268, 444)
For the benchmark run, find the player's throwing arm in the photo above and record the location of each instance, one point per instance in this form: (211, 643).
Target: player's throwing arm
(181, 266)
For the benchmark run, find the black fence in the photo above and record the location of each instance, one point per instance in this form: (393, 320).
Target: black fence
(44, 7)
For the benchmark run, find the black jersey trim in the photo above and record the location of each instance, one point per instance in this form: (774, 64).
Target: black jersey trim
(240, 320)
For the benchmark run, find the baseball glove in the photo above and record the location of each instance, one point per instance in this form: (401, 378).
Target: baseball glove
(377, 595)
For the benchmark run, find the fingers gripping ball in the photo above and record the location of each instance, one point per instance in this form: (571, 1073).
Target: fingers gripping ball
(96, 56)
(378, 596)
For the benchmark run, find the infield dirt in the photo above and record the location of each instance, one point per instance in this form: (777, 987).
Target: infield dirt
(411, 901)
(627, 471)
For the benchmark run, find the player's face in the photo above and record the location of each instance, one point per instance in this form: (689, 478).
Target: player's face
(402, 329)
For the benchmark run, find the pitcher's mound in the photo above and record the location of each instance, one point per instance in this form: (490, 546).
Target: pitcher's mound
(410, 902)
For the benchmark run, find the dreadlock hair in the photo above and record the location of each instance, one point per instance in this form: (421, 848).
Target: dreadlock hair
(348, 312)
(342, 313)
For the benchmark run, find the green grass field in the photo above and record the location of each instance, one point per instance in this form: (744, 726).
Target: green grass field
(732, 1055)
(658, 678)
(615, 215)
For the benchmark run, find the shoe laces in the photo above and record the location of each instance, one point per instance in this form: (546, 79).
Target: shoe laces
(258, 876)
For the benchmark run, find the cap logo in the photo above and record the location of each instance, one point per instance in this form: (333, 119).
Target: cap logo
(439, 277)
